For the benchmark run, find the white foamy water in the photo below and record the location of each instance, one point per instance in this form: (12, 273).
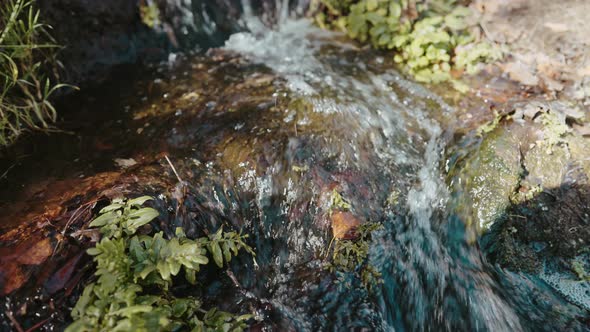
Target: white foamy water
(286, 50)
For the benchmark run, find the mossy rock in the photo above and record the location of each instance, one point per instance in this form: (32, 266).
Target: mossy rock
(520, 156)
(526, 184)
(490, 176)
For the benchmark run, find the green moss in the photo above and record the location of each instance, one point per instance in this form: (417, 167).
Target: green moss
(579, 269)
(431, 39)
(337, 202)
(393, 198)
(150, 14)
(134, 275)
(350, 257)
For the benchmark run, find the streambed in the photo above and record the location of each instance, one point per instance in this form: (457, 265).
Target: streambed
(263, 130)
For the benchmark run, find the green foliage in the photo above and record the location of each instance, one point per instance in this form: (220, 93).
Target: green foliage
(338, 7)
(334, 14)
(26, 50)
(471, 56)
(351, 256)
(135, 272)
(337, 202)
(431, 38)
(149, 14)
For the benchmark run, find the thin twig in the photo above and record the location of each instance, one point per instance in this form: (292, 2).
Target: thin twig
(38, 325)
(76, 215)
(173, 169)
(72, 219)
(517, 216)
(14, 321)
(242, 290)
(329, 247)
(8, 170)
(233, 278)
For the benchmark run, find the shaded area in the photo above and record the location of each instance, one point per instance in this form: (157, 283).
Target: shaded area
(99, 36)
(554, 224)
(547, 236)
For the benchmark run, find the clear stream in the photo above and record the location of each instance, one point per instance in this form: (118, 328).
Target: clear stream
(265, 128)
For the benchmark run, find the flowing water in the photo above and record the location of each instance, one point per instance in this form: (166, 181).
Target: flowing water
(266, 128)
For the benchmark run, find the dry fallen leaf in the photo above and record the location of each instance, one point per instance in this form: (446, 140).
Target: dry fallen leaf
(344, 225)
(13, 270)
(61, 277)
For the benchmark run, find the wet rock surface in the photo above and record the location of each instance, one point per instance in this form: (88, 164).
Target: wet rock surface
(259, 144)
(226, 140)
(529, 190)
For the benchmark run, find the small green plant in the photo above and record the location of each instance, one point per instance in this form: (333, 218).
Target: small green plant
(491, 125)
(431, 38)
(337, 202)
(351, 257)
(149, 13)
(26, 52)
(519, 196)
(134, 275)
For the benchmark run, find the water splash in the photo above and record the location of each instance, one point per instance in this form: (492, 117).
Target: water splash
(286, 50)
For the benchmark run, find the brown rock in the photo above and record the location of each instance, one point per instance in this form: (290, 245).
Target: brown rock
(12, 277)
(15, 262)
(36, 254)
